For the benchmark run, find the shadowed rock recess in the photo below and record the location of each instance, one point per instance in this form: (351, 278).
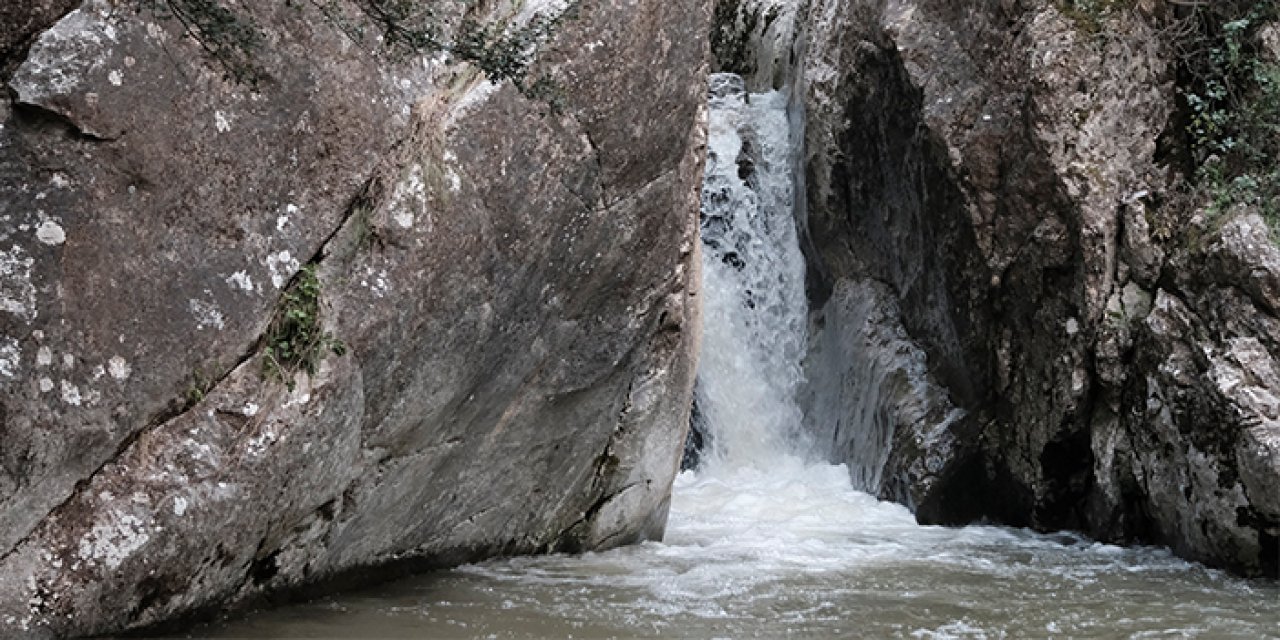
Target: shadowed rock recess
(1015, 318)
(494, 288)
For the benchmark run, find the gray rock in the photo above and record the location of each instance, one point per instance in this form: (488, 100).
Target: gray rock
(872, 403)
(994, 166)
(1269, 35)
(515, 289)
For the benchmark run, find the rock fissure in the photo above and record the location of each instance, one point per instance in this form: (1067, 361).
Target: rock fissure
(167, 418)
(157, 423)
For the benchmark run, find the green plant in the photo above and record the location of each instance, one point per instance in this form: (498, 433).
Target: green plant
(1231, 94)
(295, 340)
(197, 388)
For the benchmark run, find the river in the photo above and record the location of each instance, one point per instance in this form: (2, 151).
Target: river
(765, 539)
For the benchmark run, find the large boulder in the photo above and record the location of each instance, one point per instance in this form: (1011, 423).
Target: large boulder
(1000, 171)
(315, 307)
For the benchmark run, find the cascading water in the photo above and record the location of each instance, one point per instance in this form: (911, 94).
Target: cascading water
(753, 281)
(764, 542)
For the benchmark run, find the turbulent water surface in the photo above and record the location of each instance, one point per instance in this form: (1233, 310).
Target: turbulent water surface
(764, 542)
(795, 551)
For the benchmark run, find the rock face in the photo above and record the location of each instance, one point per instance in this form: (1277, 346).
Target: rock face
(1000, 302)
(502, 303)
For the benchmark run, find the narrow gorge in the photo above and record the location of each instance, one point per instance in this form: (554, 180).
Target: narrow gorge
(303, 297)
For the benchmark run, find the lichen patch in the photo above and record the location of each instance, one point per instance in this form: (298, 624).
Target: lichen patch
(376, 281)
(241, 280)
(207, 315)
(258, 444)
(70, 394)
(282, 266)
(17, 293)
(50, 233)
(10, 357)
(111, 543)
(119, 368)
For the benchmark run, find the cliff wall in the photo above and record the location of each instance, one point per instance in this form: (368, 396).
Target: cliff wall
(288, 293)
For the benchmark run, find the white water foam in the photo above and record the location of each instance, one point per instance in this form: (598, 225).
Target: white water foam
(762, 542)
(755, 309)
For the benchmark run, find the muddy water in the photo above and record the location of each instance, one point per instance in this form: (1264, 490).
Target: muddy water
(763, 542)
(795, 552)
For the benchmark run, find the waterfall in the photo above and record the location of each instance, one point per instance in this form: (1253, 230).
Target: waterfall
(755, 311)
(765, 538)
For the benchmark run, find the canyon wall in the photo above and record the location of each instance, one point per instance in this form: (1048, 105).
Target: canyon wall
(288, 299)
(1019, 314)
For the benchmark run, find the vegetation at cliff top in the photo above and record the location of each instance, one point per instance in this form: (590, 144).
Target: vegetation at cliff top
(1229, 92)
(402, 27)
(1230, 87)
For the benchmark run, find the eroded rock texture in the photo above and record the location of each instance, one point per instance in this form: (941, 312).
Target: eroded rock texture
(993, 172)
(513, 285)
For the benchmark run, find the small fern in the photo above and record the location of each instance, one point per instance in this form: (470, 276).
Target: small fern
(295, 340)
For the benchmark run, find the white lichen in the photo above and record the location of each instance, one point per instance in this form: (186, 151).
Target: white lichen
(376, 281)
(46, 385)
(50, 233)
(206, 314)
(111, 543)
(282, 266)
(10, 357)
(258, 444)
(70, 394)
(119, 368)
(17, 293)
(44, 357)
(241, 280)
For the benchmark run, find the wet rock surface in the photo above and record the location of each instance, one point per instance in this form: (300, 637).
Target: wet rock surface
(510, 288)
(992, 170)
